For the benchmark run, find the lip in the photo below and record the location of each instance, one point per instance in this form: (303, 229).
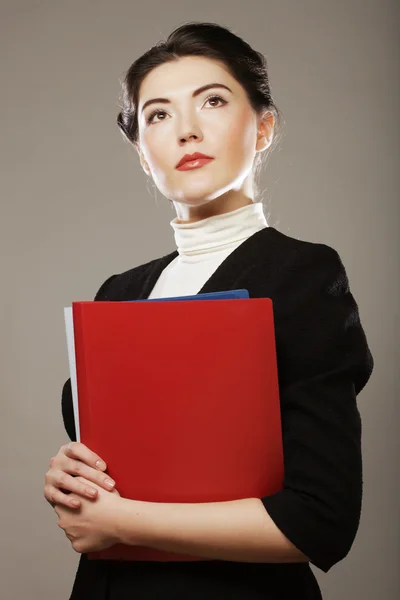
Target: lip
(192, 157)
(190, 165)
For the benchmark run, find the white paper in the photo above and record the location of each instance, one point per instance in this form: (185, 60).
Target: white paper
(69, 329)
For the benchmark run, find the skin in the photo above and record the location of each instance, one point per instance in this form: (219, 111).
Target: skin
(228, 130)
(232, 133)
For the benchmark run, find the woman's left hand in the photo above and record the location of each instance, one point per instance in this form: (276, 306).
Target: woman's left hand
(93, 526)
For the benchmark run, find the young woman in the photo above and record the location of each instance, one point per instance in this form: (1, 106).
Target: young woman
(198, 109)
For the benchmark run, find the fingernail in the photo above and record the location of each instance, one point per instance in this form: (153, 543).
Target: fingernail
(91, 492)
(109, 483)
(100, 465)
(75, 502)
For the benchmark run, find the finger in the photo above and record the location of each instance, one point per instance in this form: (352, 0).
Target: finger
(81, 452)
(56, 497)
(80, 469)
(65, 484)
(76, 485)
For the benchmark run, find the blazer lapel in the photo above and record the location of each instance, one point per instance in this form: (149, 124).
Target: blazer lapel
(155, 272)
(234, 269)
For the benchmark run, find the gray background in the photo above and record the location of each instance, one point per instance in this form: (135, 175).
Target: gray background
(76, 207)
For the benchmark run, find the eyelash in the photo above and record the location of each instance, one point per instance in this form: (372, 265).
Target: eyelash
(156, 112)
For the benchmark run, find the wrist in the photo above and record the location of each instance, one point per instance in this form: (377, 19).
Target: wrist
(129, 522)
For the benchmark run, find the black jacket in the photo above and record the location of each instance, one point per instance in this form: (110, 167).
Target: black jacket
(323, 363)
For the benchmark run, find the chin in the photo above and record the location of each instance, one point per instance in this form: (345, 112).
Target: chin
(194, 200)
(200, 194)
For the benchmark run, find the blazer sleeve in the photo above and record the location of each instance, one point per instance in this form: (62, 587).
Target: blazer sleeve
(324, 362)
(66, 394)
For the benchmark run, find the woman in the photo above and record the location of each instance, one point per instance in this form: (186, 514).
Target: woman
(204, 90)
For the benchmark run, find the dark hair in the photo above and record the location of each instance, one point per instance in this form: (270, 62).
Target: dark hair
(210, 40)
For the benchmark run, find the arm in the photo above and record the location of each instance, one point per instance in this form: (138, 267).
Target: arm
(66, 394)
(324, 362)
(239, 530)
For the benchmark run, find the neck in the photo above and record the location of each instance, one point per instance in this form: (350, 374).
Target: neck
(232, 200)
(202, 239)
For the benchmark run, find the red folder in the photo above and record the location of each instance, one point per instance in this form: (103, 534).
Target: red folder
(181, 400)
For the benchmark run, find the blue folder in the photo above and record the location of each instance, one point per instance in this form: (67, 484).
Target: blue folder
(228, 295)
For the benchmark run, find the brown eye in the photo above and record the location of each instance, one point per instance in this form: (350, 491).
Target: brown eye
(155, 113)
(216, 99)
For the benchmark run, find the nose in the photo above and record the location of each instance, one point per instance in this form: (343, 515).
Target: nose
(188, 137)
(189, 133)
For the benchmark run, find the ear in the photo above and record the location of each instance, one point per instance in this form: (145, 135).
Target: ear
(265, 132)
(143, 162)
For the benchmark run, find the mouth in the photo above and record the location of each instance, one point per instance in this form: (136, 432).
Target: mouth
(193, 161)
(196, 163)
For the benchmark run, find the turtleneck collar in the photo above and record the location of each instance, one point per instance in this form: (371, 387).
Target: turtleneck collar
(218, 232)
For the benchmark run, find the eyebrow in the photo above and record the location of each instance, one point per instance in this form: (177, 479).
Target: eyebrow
(201, 89)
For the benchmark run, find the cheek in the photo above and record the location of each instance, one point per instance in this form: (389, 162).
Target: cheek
(160, 154)
(157, 150)
(241, 141)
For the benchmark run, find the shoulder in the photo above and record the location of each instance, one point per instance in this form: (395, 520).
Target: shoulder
(305, 262)
(318, 320)
(117, 285)
(314, 276)
(306, 249)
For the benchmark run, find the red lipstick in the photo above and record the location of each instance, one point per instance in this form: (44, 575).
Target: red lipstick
(193, 161)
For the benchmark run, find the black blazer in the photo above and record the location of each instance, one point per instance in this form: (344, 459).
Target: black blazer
(323, 362)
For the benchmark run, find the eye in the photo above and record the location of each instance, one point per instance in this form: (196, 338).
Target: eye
(155, 113)
(217, 98)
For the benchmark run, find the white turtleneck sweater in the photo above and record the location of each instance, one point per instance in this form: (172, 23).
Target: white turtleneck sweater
(203, 245)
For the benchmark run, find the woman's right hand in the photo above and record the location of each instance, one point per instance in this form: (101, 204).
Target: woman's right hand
(72, 460)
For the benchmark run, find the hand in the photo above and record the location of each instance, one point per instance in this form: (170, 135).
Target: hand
(94, 526)
(74, 460)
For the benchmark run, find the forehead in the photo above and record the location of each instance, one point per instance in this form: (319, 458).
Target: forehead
(172, 79)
